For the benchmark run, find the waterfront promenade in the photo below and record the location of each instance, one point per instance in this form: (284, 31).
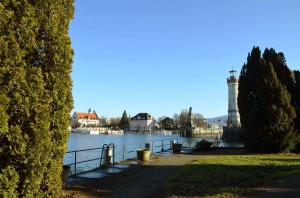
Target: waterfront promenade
(130, 178)
(134, 179)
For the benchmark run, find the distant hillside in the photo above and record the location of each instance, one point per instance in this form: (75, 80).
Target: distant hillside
(215, 119)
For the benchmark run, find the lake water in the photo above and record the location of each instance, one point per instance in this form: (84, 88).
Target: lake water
(125, 146)
(79, 141)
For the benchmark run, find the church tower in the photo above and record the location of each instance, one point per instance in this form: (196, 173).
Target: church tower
(233, 112)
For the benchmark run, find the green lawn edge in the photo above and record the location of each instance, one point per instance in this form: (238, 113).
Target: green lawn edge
(230, 175)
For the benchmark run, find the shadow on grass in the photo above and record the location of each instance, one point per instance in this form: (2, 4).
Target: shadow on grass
(220, 179)
(220, 151)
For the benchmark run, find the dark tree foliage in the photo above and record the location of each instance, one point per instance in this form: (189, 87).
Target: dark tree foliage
(287, 78)
(124, 123)
(284, 74)
(267, 116)
(35, 95)
(297, 99)
(167, 123)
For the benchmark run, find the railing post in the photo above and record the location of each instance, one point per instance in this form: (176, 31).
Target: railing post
(123, 152)
(113, 154)
(75, 162)
(152, 146)
(162, 145)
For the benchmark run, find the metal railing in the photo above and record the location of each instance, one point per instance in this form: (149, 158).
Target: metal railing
(120, 153)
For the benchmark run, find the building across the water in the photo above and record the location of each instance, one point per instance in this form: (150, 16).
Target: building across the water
(142, 122)
(84, 119)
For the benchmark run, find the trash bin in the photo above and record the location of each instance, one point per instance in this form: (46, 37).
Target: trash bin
(177, 148)
(143, 154)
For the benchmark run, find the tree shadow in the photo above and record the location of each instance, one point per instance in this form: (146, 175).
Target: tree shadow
(220, 151)
(136, 181)
(219, 180)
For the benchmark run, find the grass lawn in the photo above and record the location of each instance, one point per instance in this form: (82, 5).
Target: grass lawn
(231, 175)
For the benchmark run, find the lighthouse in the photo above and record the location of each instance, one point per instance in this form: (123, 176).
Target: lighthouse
(233, 112)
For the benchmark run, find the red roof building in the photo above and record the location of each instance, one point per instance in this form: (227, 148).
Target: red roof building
(84, 119)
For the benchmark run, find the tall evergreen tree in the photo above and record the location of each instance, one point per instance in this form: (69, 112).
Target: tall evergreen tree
(297, 99)
(286, 77)
(284, 74)
(267, 116)
(247, 94)
(124, 124)
(36, 98)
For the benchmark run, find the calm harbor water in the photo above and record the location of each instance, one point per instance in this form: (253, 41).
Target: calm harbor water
(125, 147)
(127, 143)
(79, 141)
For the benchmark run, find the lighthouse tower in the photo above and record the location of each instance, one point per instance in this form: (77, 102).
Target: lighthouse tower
(233, 112)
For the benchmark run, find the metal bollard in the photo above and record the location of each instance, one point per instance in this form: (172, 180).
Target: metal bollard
(106, 158)
(147, 145)
(109, 154)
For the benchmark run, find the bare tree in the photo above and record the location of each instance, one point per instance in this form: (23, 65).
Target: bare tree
(161, 118)
(198, 120)
(176, 119)
(183, 118)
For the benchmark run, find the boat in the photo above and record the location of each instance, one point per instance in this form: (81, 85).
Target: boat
(164, 132)
(85, 130)
(93, 131)
(82, 130)
(102, 131)
(115, 132)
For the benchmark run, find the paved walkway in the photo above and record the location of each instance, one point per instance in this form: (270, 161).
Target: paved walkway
(133, 179)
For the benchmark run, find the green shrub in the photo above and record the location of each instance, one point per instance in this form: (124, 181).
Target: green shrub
(203, 145)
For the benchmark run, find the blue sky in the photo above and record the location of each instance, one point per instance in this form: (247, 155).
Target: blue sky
(163, 56)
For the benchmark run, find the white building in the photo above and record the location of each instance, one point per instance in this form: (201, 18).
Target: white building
(84, 119)
(233, 112)
(142, 122)
(104, 121)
